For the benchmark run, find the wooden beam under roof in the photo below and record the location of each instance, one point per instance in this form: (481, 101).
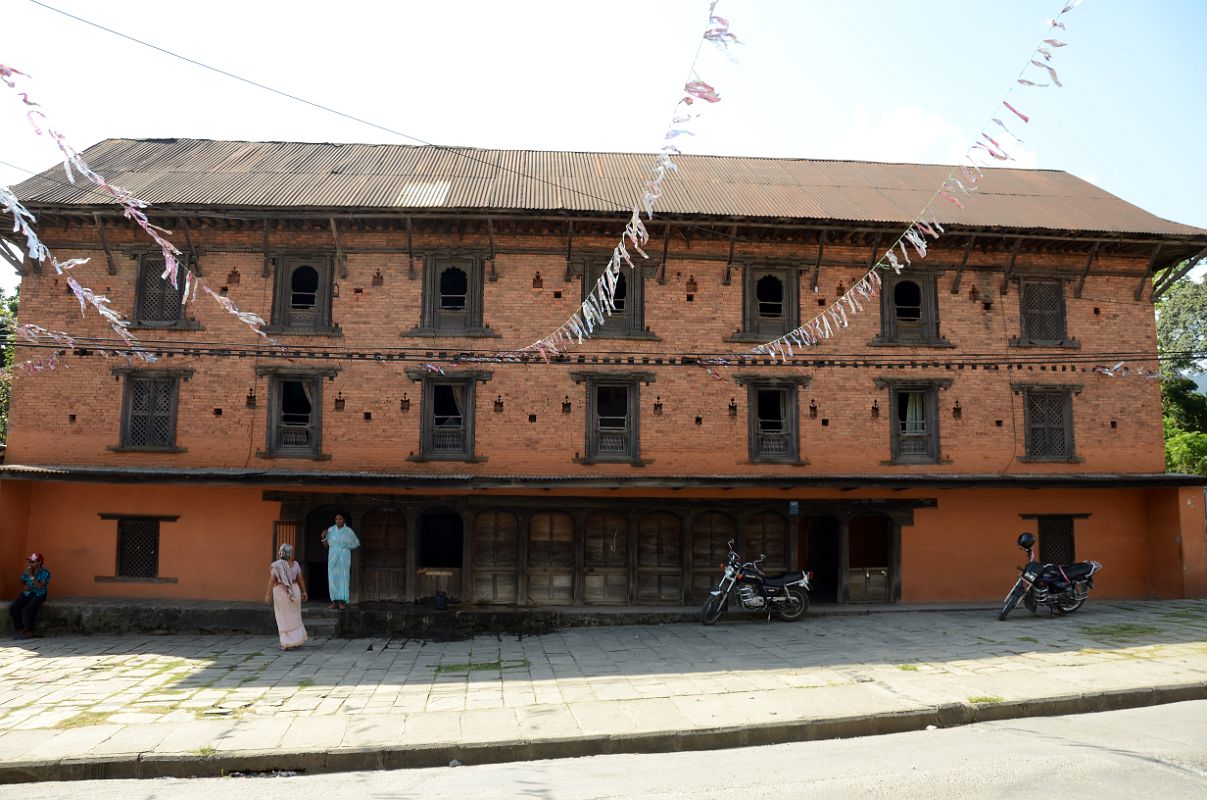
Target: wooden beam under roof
(1148, 273)
(1085, 272)
(1176, 274)
(1005, 287)
(821, 249)
(955, 284)
(7, 254)
(100, 230)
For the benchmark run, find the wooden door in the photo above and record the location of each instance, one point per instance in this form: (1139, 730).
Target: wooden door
(495, 557)
(659, 559)
(766, 534)
(711, 532)
(605, 558)
(551, 558)
(383, 540)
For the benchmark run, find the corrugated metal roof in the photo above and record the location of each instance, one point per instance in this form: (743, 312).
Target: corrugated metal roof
(283, 175)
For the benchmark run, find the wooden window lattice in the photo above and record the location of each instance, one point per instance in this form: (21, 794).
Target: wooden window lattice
(1042, 317)
(159, 301)
(138, 548)
(1047, 425)
(151, 412)
(1056, 540)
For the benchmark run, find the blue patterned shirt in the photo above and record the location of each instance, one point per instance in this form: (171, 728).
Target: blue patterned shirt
(42, 576)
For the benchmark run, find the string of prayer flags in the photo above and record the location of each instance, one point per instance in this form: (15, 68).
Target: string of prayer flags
(925, 227)
(600, 302)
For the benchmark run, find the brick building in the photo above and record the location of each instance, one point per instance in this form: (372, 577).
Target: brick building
(897, 461)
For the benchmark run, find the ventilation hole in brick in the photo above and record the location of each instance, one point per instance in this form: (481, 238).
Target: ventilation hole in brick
(368, 415)
(821, 301)
(825, 423)
(997, 423)
(532, 417)
(217, 412)
(1114, 424)
(358, 291)
(699, 420)
(691, 298)
(71, 418)
(557, 295)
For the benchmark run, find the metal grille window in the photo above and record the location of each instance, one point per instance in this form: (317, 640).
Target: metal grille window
(138, 548)
(1056, 540)
(150, 412)
(1043, 317)
(158, 302)
(1049, 424)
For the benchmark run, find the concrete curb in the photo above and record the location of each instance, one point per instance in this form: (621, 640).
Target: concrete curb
(438, 755)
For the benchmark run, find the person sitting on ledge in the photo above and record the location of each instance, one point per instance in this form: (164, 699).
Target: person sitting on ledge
(24, 610)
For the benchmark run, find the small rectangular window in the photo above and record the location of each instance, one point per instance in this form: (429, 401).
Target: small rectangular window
(302, 299)
(1042, 308)
(909, 310)
(150, 412)
(1049, 424)
(915, 427)
(452, 296)
(157, 301)
(612, 420)
(773, 427)
(295, 419)
(771, 302)
(447, 419)
(1056, 540)
(138, 548)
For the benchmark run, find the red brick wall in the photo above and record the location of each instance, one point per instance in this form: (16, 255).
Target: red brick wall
(1105, 319)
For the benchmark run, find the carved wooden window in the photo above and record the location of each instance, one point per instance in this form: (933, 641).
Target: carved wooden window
(766, 534)
(1049, 424)
(771, 302)
(773, 423)
(612, 430)
(1056, 545)
(452, 296)
(628, 318)
(1042, 309)
(915, 423)
(383, 539)
(149, 418)
(605, 558)
(302, 298)
(137, 548)
(909, 311)
(448, 418)
(157, 303)
(710, 532)
(295, 415)
(659, 558)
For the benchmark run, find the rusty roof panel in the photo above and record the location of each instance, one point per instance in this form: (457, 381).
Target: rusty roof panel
(285, 175)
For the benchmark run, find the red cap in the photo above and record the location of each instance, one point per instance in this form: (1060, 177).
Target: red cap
(35, 556)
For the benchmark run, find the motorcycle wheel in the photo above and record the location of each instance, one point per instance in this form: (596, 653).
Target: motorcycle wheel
(1011, 600)
(1069, 608)
(713, 606)
(799, 604)
(1029, 602)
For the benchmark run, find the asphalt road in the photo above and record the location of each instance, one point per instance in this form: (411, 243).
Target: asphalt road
(1151, 752)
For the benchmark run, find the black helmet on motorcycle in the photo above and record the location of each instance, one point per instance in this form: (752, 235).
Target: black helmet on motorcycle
(1026, 540)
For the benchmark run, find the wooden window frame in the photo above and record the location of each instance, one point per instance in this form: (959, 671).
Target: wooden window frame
(791, 386)
(1066, 391)
(117, 567)
(630, 323)
(132, 375)
(632, 382)
(469, 380)
(927, 333)
(1024, 338)
(931, 387)
(276, 376)
(432, 324)
(750, 331)
(282, 315)
(153, 263)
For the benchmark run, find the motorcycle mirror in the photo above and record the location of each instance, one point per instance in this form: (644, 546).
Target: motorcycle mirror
(762, 556)
(731, 544)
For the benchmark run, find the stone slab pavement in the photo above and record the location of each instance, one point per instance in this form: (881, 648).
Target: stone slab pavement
(140, 706)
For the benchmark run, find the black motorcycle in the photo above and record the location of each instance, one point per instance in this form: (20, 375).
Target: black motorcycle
(1060, 588)
(785, 596)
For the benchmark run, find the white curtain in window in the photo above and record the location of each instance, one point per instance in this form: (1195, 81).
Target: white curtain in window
(915, 413)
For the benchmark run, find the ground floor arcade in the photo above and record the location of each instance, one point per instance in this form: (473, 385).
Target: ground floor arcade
(598, 545)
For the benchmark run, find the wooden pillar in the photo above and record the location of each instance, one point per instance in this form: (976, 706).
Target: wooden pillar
(523, 526)
(894, 594)
(631, 556)
(685, 585)
(467, 554)
(580, 535)
(412, 514)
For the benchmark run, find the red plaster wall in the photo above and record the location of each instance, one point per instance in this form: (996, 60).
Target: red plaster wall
(220, 548)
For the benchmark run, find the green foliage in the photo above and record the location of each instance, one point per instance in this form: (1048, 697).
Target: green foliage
(1182, 326)
(1186, 451)
(1183, 408)
(8, 318)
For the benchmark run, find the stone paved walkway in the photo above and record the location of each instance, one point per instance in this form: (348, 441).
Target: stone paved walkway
(77, 699)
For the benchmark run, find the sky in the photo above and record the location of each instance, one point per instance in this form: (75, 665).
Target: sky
(876, 80)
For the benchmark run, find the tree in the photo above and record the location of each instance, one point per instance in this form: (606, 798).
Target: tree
(1182, 326)
(8, 318)
(1186, 451)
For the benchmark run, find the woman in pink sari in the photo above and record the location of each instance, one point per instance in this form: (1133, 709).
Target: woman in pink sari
(286, 591)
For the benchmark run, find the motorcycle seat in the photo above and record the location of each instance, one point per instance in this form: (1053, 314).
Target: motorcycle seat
(1079, 571)
(775, 581)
